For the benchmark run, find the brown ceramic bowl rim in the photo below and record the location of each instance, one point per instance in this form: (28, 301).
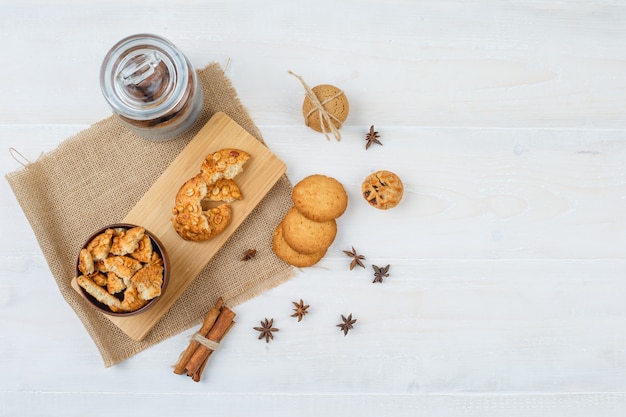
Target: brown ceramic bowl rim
(166, 269)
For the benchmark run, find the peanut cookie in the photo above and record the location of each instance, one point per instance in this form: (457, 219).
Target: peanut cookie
(100, 245)
(382, 189)
(148, 281)
(225, 163)
(307, 236)
(132, 300)
(85, 262)
(144, 250)
(320, 198)
(190, 221)
(99, 278)
(127, 241)
(290, 255)
(333, 100)
(225, 190)
(123, 266)
(201, 228)
(114, 284)
(214, 183)
(98, 292)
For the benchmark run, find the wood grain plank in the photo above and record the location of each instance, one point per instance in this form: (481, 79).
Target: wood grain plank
(505, 118)
(445, 63)
(338, 404)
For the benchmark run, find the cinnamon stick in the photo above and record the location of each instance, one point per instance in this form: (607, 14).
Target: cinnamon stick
(217, 332)
(207, 324)
(196, 377)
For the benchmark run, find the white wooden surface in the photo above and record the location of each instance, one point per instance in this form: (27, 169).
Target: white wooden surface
(507, 122)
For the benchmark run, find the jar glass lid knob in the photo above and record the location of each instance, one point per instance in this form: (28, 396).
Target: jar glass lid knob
(144, 77)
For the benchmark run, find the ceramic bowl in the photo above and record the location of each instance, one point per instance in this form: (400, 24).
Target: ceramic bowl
(157, 247)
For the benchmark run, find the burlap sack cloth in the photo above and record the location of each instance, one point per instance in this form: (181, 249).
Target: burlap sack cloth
(97, 176)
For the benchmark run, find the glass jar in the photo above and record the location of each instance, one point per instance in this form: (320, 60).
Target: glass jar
(151, 86)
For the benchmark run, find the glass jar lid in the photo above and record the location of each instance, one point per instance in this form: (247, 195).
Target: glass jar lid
(144, 76)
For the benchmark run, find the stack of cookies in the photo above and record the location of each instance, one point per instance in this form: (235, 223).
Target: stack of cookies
(309, 227)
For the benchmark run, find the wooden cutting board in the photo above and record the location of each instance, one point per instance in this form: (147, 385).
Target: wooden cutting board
(154, 210)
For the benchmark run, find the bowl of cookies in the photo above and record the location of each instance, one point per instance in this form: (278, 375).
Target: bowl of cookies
(122, 269)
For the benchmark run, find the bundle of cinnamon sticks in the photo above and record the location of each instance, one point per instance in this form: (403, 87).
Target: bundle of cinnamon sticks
(216, 324)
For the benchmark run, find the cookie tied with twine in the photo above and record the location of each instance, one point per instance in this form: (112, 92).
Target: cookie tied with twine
(325, 108)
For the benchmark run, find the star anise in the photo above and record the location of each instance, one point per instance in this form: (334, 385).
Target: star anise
(300, 309)
(266, 330)
(249, 254)
(347, 324)
(372, 137)
(380, 273)
(356, 258)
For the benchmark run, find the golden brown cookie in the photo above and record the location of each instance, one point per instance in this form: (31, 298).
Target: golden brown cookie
(225, 163)
(114, 283)
(99, 278)
(127, 241)
(201, 228)
(98, 292)
(156, 259)
(148, 281)
(225, 190)
(132, 300)
(333, 100)
(123, 266)
(190, 195)
(100, 245)
(305, 235)
(189, 220)
(144, 250)
(85, 262)
(320, 198)
(214, 183)
(290, 255)
(382, 189)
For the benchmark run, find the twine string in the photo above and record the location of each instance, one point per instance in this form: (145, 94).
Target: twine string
(318, 107)
(19, 157)
(227, 66)
(209, 344)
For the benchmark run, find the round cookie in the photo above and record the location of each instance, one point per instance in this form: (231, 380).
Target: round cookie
(333, 100)
(188, 218)
(320, 198)
(290, 255)
(305, 235)
(382, 189)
